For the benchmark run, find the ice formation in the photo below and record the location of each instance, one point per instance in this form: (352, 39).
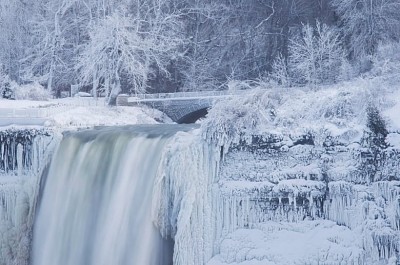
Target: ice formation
(24, 155)
(251, 196)
(259, 184)
(184, 198)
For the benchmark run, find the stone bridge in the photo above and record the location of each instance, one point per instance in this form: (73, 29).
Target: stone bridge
(181, 107)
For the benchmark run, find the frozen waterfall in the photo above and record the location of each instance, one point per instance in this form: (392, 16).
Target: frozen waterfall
(24, 155)
(97, 200)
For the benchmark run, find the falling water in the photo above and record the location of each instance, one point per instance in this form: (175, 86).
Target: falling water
(96, 204)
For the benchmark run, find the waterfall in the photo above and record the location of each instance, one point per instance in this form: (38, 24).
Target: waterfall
(96, 205)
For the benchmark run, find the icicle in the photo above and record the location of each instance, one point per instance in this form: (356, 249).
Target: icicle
(20, 164)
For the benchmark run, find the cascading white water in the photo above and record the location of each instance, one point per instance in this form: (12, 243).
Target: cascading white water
(97, 199)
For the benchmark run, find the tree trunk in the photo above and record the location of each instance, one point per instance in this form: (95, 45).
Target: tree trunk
(95, 85)
(116, 89)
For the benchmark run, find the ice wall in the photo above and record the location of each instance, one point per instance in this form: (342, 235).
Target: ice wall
(373, 210)
(280, 179)
(215, 204)
(184, 198)
(24, 155)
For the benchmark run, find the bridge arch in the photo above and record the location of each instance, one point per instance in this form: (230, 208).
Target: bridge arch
(193, 116)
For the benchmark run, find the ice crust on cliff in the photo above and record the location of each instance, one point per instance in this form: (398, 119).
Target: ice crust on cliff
(19, 187)
(183, 203)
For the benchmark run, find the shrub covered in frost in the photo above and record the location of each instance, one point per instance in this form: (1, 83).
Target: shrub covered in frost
(386, 61)
(335, 111)
(33, 91)
(6, 85)
(233, 118)
(377, 125)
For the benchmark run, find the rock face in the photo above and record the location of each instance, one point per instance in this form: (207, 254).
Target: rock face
(286, 178)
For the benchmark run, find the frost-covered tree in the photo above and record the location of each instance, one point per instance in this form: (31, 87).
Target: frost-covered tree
(45, 59)
(5, 86)
(126, 46)
(367, 22)
(315, 55)
(232, 40)
(303, 56)
(280, 71)
(377, 126)
(57, 31)
(375, 142)
(14, 35)
(110, 50)
(41, 40)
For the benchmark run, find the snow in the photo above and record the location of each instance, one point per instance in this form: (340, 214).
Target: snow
(244, 187)
(73, 113)
(100, 115)
(393, 139)
(23, 104)
(308, 242)
(392, 113)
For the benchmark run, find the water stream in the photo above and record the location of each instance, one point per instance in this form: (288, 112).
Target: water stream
(96, 202)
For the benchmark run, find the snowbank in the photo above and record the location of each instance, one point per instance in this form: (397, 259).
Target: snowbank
(77, 112)
(308, 242)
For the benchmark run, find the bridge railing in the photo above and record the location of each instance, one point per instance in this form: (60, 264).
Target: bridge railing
(24, 113)
(46, 111)
(195, 94)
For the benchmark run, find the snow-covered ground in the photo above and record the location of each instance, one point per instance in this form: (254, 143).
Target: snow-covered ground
(393, 113)
(307, 242)
(74, 112)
